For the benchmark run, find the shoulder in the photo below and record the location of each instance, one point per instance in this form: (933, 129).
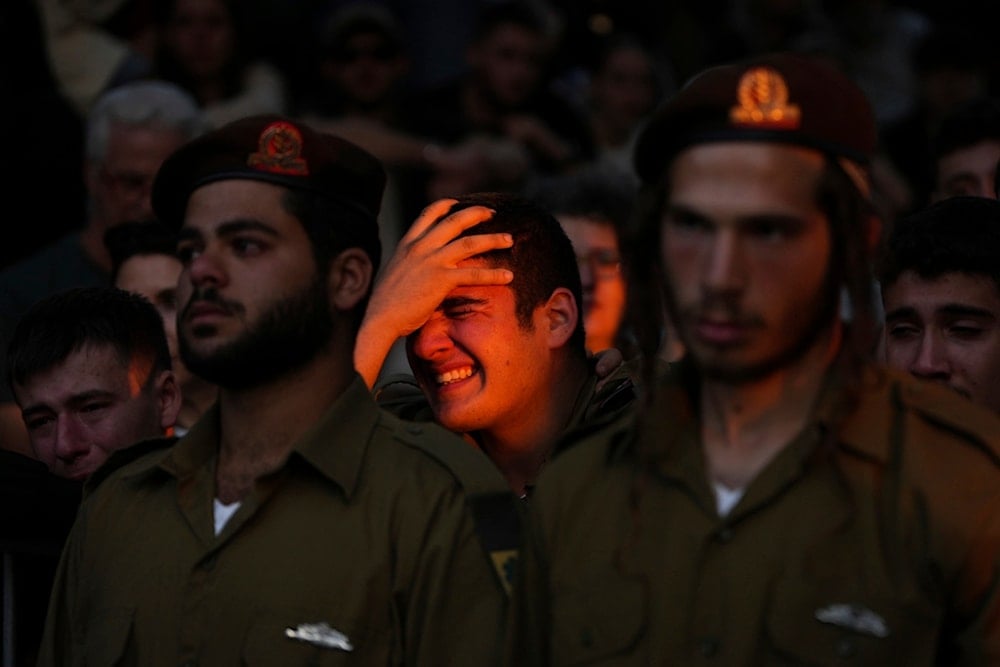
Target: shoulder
(136, 458)
(443, 449)
(929, 419)
(400, 395)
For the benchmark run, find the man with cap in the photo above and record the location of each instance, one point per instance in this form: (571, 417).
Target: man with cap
(780, 498)
(295, 523)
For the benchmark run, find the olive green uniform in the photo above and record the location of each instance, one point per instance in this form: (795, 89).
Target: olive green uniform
(879, 546)
(362, 529)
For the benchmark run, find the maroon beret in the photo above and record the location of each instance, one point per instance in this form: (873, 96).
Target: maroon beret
(779, 97)
(277, 150)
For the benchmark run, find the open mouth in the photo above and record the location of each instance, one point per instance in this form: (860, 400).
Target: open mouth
(454, 375)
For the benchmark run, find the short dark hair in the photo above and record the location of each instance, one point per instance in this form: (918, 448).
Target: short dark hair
(970, 124)
(541, 258)
(332, 228)
(138, 238)
(63, 323)
(954, 235)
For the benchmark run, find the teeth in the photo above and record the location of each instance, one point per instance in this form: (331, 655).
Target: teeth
(454, 376)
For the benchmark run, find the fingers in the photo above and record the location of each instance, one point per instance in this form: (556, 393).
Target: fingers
(477, 244)
(438, 228)
(481, 275)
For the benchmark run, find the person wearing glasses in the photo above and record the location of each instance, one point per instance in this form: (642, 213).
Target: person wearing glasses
(593, 205)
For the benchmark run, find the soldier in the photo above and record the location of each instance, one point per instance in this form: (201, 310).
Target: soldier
(940, 285)
(295, 523)
(780, 498)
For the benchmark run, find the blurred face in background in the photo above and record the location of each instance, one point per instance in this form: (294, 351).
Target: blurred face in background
(508, 63)
(599, 258)
(200, 36)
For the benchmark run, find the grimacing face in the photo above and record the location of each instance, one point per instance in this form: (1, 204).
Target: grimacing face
(946, 329)
(479, 367)
(747, 253)
(92, 404)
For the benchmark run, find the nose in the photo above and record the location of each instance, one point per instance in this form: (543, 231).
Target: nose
(723, 268)
(70, 442)
(204, 268)
(430, 340)
(931, 360)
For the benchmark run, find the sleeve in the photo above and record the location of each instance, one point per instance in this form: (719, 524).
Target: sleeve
(63, 636)
(455, 614)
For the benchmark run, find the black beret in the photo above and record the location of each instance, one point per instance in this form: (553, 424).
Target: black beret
(779, 97)
(277, 150)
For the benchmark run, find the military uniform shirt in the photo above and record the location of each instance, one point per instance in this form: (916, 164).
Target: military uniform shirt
(359, 551)
(875, 547)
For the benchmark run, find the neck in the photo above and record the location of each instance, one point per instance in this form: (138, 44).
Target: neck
(260, 426)
(521, 444)
(745, 425)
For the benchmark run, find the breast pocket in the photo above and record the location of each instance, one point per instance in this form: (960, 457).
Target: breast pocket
(598, 623)
(816, 625)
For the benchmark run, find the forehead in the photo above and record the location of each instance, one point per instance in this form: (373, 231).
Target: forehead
(148, 271)
(745, 179)
(982, 156)
(93, 366)
(239, 199)
(582, 230)
(947, 290)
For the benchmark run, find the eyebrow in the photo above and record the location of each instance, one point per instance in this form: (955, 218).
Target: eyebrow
(74, 401)
(459, 301)
(952, 309)
(229, 228)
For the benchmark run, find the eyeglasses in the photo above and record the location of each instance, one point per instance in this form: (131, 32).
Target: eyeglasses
(603, 262)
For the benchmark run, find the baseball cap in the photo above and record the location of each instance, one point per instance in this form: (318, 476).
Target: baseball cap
(778, 97)
(274, 149)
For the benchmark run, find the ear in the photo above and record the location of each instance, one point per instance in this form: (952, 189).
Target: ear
(350, 278)
(168, 394)
(559, 316)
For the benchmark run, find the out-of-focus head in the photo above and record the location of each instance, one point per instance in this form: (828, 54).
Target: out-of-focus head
(131, 130)
(363, 54)
(508, 50)
(90, 369)
(594, 207)
(781, 139)
(966, 150)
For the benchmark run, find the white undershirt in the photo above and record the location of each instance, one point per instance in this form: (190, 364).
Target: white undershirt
(223, 513)
(726, 498)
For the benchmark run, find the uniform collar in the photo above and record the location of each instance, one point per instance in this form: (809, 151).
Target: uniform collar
(335, 446)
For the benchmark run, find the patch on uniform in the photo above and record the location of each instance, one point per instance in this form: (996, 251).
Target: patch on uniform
(505, 564)
(762, 96)
(497, 517)
(854, 617)
(279, 150)
(320, 634)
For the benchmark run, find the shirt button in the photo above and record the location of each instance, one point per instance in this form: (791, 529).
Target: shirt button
(845, 647)
(725, 534)
(709, 647)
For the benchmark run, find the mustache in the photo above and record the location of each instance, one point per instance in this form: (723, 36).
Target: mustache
(210, 295)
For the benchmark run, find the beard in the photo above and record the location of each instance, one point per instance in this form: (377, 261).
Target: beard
(285, 338)
(816, 322)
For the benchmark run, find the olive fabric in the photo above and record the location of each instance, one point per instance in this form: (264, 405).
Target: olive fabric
(360, 550)
(877, 546)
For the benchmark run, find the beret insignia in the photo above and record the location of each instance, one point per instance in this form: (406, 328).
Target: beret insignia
(762, 96)
(279, 150)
